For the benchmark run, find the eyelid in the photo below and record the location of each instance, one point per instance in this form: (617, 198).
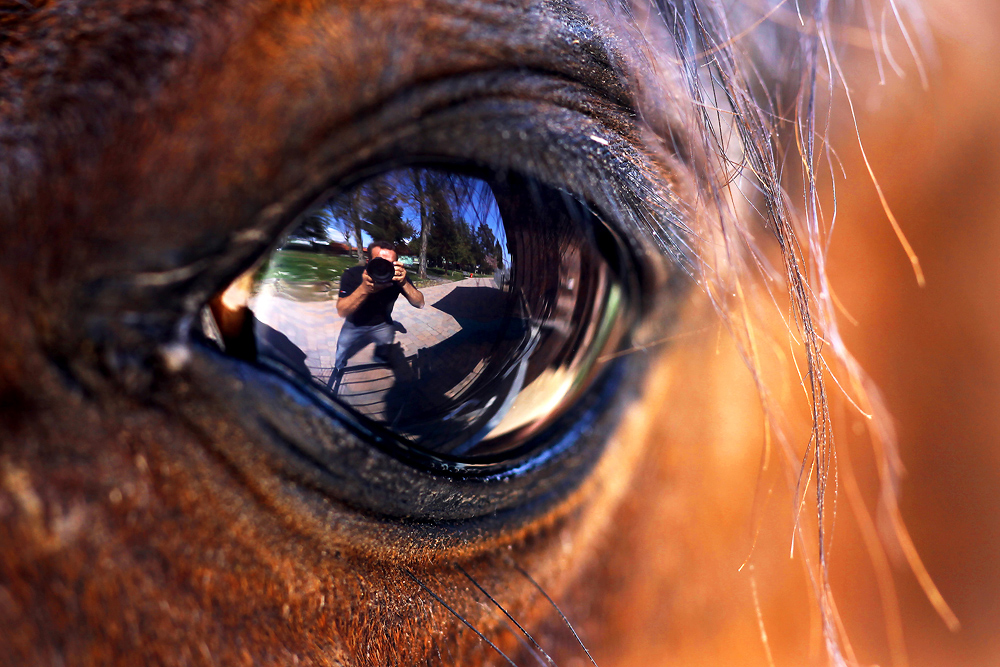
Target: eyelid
(525, 121)
(294, 433)
(549, 142)
(327, 446)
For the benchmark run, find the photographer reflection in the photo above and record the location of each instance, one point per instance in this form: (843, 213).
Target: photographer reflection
(367, 296)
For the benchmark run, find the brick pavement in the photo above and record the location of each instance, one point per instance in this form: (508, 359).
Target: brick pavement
(440, 348)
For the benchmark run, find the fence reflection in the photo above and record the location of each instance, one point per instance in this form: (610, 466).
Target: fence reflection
(464, 329)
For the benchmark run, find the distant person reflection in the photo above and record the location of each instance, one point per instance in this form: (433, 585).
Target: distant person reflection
(366, 302)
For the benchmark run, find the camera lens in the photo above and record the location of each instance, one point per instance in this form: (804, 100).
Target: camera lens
(380, 270)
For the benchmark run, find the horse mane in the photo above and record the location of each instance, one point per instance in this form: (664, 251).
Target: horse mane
(760, 84)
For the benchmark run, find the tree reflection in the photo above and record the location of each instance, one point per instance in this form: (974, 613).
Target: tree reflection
(441, 220)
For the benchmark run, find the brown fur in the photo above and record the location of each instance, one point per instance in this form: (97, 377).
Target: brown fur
(135, 530)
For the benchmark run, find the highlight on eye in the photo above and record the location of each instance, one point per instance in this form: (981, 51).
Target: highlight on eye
(461, 314)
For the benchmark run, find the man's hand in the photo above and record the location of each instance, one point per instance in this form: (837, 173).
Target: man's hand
(400, 275)
(371, 287)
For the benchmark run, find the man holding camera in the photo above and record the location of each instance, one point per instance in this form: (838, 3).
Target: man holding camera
(367, 295)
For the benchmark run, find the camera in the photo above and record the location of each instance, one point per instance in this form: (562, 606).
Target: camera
(380, 270)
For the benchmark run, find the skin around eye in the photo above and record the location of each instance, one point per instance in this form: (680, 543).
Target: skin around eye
(205, 507)
(163, 503)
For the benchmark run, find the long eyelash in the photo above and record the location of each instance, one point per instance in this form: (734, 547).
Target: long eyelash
(538, 648)
(556, 607)
(458, 616)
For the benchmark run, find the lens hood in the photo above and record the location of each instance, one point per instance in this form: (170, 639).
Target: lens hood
(380, 270)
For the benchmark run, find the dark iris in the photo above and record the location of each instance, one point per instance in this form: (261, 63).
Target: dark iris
(521, 294)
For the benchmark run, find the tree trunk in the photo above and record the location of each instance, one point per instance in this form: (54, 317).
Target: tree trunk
(424, 226)
(357, 239)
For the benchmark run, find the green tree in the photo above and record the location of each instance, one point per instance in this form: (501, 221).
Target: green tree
(346, 210)
(419, 178)
(448, 245)
(384, 215)
(491, 253)
(314, 228)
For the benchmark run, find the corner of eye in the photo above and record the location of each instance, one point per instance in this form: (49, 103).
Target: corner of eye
(224, 317)
(229, 307)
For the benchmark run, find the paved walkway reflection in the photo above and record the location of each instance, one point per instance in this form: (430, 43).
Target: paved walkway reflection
(439, 349)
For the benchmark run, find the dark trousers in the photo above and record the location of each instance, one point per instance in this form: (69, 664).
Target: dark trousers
(353, 338)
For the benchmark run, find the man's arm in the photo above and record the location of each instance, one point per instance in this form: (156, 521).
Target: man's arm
(412, 294)
(347, 305)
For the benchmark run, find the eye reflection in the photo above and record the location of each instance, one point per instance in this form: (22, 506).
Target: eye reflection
(461, 314)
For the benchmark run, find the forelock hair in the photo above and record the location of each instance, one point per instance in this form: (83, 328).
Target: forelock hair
(754, 91)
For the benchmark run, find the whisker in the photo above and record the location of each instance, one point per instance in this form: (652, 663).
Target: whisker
(468, 576)
(459, 616)
(558, 610)
(650, 345)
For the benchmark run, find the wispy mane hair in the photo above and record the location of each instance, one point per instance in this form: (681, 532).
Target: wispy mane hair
(755, 84)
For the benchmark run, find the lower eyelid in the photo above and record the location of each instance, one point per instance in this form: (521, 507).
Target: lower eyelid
(320, 439)
(267, 422)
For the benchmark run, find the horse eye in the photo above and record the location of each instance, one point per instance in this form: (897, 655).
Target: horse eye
(480, 315)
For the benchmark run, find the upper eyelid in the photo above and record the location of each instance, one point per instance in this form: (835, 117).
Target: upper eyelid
(607, 166)
(201, 104)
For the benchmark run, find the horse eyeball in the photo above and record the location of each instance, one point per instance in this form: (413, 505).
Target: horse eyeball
(459, 315)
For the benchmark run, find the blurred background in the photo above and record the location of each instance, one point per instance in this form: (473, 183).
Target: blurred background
(934, 352)
(721, 588)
